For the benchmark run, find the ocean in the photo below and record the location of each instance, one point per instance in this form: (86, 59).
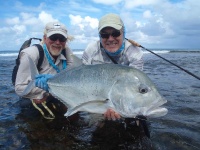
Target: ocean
(179, 129)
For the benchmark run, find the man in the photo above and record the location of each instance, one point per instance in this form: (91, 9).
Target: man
(112, 48)
(54, 42)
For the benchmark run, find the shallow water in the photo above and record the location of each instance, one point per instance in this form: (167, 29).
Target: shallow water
(179, 129)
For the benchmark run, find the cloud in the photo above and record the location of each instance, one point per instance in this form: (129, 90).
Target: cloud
(84, 28)
(5, 31)
(107, 2)
(18, 29)
(12, 21)
(147, 14)
(25, 26)
(45, 17)
(83, 22)
(146, 21)
(93, 22)
(137, 3)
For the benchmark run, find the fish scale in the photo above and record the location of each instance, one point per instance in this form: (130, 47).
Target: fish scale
(95, 88)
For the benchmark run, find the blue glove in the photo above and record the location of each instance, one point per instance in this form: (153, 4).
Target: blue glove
(41, 81)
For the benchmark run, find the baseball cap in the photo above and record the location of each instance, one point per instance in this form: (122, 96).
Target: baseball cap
(110, 20)
(55, 28)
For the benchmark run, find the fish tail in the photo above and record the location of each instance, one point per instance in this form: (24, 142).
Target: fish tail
(33, 68)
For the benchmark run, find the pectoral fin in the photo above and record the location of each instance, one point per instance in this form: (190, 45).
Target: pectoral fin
(96, 106)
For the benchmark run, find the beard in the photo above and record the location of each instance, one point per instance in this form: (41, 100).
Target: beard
(55, 50)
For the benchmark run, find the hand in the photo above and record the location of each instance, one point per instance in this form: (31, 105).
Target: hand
(39, 101)
(41, 81)
(111, 114)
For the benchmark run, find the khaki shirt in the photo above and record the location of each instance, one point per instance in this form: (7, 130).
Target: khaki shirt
(24, 72)
(130, 56)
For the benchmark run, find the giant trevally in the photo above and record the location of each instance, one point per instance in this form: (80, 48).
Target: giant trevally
(95, 88)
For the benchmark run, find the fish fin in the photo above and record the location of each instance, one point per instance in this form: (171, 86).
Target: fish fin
(76, 61)
(34, 72)
(89, 106)
(29, 87)
(33, 68)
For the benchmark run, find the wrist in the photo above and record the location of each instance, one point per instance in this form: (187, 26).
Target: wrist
(46, 94)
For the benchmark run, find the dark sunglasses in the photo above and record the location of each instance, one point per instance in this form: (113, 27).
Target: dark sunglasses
(114, 34)
(57, 37)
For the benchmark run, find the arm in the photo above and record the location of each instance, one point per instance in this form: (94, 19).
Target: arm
(90, 52)
(86, 57)
(24, 77)
(134, 56)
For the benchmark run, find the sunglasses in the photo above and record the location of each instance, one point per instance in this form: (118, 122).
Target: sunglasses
(57, 37)
(114, 34)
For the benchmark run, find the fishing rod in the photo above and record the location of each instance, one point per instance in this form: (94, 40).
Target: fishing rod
(138, 45)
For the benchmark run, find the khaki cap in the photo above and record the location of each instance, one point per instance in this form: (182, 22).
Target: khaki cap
(110, 20)
(55, 28)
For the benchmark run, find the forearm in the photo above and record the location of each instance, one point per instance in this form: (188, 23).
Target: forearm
(35, 93)
(23, 78)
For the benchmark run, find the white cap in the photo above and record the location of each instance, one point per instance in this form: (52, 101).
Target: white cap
(110, 20)
(55, 28)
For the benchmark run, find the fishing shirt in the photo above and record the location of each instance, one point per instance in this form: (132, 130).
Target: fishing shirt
(130, 56)
(24, 71)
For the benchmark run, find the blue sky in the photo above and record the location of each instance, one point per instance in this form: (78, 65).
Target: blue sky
(152, 23)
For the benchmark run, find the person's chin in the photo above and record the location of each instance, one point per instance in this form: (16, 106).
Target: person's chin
(55, 52)
(112, 49)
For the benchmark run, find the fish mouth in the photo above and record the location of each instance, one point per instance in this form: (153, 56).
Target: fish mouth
(152, 110)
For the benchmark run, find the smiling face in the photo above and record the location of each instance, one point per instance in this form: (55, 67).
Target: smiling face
(55, 44)
(111, 39)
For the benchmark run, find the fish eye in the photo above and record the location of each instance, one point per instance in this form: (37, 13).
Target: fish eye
(143, 89)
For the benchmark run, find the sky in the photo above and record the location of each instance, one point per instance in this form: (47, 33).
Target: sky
(170, 24)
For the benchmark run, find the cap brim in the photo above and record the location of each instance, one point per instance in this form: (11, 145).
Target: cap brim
(56, 32)
(116, 26)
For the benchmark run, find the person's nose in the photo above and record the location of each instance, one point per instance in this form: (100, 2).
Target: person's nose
(57, 41)
(110, 37)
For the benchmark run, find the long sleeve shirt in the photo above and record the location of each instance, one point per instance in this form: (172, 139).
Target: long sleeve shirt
(130, 56)
(24, 71)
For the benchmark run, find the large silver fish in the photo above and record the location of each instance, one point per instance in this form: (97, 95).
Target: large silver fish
(95, 88)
